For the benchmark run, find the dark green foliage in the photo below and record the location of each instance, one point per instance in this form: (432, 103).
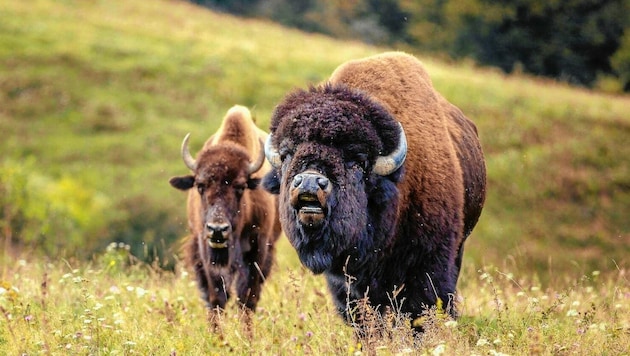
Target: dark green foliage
(569, 40)
(47, 214)
(573, 41)
(373, 21)
(621, 61)
(241, 7)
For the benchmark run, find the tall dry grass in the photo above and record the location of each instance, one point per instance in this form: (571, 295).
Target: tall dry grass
(117, 305)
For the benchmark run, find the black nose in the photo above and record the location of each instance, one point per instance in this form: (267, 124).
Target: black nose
(311, 182)
(220, 227)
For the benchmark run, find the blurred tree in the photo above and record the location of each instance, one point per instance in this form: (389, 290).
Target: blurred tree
(148, 230)
(621, 61)
(240, 7)
(53, 216)
(428, 27)
(390, 17)
(307, 15)
(570, 40)
(374, 21)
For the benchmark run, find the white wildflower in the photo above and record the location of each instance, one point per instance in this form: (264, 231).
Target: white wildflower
(450, 324)
(496, 353)
(482, 342)
(439, 350)
(140, 292)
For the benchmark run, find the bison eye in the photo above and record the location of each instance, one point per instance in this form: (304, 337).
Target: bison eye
(239, 190)
(361, 165)
(201, 188)
(285, 153)
(362, 161)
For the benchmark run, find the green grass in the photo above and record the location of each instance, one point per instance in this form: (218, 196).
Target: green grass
(95, 97)
(111, 306)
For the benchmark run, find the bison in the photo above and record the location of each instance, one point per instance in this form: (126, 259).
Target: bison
(380, 181)
(233, 222)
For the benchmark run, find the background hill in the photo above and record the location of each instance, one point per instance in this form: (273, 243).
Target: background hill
(582, 42)
(95, 98)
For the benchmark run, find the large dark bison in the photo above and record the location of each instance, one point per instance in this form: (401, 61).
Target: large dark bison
(380, 182)
(233, 222)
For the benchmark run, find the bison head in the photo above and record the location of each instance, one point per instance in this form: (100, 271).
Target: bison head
(221, 176)
(336, 155)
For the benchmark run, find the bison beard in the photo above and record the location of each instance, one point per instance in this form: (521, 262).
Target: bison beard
(219, 256)
(317, 245)
(348, 204)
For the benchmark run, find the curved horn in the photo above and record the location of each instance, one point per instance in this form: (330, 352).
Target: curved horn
(188, 159)
(255, 166)
(272, 153)
(386, 165)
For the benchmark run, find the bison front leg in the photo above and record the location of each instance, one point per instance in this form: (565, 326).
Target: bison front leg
(217, 297)
(217, 293)
(210, 295)
(345, 301)
(248, 288)
(258, 261)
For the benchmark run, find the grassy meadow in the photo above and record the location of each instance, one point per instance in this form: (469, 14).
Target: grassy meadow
(95, 97)
(113, 306)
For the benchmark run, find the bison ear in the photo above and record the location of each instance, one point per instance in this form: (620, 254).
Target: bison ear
(182, 183)
(271, 182)
(252, 183)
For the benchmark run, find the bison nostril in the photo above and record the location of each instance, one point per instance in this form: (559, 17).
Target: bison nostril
(218, 227)
(322, 182)
(297, 180)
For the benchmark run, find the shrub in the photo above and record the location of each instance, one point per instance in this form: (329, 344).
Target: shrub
(53, 216)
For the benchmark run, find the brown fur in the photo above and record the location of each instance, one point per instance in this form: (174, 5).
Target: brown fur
(442, 135)
(222, 169)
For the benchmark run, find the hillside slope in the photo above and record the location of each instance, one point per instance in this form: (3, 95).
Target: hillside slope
(100, 94)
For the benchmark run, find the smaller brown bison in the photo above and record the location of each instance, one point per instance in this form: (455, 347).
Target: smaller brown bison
(233, 223)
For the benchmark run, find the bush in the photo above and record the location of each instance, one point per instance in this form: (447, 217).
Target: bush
(52, 216)
(149, 230)
(621, 61)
